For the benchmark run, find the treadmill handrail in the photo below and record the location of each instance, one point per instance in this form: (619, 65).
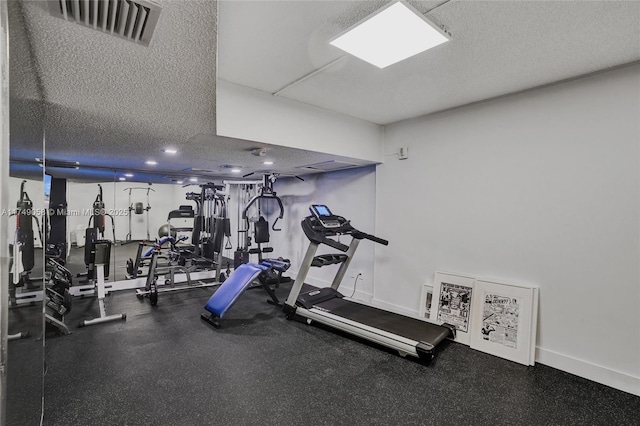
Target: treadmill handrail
(363, 235)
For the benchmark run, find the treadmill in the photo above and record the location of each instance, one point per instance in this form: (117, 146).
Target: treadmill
(409, 336)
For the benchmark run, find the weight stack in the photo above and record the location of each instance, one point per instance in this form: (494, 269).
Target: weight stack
(239, 258)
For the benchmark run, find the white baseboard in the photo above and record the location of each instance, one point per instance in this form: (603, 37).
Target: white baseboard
(358, 295)
(596, 373)
(581, 368)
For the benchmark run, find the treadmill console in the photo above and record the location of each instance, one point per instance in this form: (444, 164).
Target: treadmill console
(324, 216)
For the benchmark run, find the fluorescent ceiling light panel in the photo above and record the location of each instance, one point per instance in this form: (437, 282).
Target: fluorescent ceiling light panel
(390, 35)
(151, 163)
(170, 151)
(268, 163)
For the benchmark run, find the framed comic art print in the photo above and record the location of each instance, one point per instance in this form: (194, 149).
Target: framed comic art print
(452, 303)
(504, 320)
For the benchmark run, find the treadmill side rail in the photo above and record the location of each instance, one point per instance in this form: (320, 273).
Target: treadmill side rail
(393, 341)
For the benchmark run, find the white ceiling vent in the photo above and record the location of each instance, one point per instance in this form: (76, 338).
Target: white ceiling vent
(328, 166)
(132, 20)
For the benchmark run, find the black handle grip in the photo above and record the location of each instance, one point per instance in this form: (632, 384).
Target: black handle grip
(336, 245)
(376, 239)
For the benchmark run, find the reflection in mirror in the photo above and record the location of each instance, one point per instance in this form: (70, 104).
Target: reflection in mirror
(26, 223)
(26, 290)
(58, 278)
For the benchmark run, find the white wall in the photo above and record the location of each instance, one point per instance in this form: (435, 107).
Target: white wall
(541, 187)
(35, 191)
(80, 197)
(348, 193)
(250, 114)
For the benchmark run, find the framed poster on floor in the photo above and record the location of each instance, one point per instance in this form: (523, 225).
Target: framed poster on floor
(504, 320)
(452, 303)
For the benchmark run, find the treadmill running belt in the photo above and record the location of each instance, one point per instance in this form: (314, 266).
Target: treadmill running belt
(400, 325)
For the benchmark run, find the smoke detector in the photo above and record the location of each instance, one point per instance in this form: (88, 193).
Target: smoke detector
(259, 152)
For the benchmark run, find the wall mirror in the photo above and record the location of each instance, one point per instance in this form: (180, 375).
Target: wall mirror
(131, 139)
(27, 225)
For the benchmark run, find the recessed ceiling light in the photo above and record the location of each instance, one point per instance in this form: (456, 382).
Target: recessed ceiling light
(170, 151)
(194, 179)
(390, 35)
(129, 175)
(180, 182)
(151, 163)
(235, 170)
(122, 178)
(267, 163)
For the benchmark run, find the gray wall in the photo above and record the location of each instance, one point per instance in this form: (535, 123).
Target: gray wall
(540, 188)
(348, 193)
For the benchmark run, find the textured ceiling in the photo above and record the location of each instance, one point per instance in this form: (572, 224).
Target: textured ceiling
(112, 104)
(496, 48)
(25, 91)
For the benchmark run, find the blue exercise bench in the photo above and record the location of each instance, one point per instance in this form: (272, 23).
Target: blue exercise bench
(238, 282)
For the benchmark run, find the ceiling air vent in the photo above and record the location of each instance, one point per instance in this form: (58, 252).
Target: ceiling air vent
(197, 170)
(131, 20)
(328, 166)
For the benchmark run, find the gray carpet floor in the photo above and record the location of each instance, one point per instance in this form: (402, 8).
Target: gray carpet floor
(165, 366)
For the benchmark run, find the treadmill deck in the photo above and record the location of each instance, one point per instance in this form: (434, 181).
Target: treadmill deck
(400, 325)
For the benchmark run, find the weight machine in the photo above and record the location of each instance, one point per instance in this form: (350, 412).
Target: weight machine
(261, 234)
(94, 235)
(211, 224)
(210, 227)
(242, 191)
(169, 272)
(22, 252)
(138, 208)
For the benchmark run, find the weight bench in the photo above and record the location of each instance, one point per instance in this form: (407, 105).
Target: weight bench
(237, 283)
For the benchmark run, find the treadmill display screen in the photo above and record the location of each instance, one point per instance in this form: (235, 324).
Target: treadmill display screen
(322, 210)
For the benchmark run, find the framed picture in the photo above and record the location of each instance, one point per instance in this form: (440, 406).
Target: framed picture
(425, 300)
(504, 320)
(452, 303)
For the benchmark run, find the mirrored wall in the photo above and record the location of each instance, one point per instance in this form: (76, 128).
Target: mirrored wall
(101, 158)
(27, 225)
